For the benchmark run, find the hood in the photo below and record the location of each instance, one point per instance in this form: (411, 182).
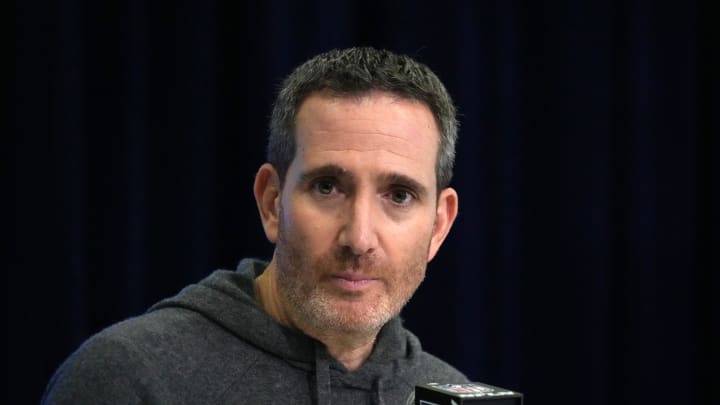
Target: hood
(228, 299)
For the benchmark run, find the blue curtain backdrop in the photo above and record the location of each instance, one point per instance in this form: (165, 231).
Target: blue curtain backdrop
(583, 265)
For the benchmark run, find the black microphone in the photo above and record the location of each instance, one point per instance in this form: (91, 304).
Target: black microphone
(465, 394)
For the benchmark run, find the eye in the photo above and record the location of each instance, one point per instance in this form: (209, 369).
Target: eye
(401, 196)
(324, 186)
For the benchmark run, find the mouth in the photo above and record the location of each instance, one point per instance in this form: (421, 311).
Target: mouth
(352, 281)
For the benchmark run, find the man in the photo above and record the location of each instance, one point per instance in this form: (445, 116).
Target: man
(355, 198)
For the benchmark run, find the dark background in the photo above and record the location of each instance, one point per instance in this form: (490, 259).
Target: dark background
(583, 265)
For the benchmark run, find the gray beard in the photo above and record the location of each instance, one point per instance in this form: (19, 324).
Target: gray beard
(311, 307)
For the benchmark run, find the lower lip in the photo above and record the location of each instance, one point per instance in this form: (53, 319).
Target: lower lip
(352, 285)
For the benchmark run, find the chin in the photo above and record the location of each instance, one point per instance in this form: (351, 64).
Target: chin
(359, 316)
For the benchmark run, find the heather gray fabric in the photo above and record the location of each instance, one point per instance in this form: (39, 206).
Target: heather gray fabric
(213, 344)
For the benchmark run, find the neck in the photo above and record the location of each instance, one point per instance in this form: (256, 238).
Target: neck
(350, 349)
(351, 354)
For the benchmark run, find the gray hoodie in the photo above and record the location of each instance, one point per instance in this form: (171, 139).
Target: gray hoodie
(213, 344)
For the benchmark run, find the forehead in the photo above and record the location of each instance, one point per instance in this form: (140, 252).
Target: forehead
(374, 132)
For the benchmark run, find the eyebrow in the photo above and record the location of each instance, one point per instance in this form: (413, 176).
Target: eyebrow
(336, 171)
(330, 170)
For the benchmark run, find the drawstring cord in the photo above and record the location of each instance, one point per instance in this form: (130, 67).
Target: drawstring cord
(322, 378)
(377, 389)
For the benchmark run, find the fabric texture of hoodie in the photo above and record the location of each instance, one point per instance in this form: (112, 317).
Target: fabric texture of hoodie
(214, 344)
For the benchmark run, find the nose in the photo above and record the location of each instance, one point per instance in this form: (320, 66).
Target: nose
(358, 232)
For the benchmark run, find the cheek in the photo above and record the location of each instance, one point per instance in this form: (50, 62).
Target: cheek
(408, 235)
(312, 229)
(406, 257)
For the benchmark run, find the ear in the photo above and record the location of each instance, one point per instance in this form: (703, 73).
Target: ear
(267, 197)
(447, 209)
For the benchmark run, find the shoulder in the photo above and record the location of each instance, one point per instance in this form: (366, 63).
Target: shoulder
(156, 357)
(433, 369)
(103, 369)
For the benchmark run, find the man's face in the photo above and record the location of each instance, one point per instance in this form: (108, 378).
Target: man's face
(357, 211)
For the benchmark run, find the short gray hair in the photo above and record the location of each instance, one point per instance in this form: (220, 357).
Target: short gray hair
(357, 71)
